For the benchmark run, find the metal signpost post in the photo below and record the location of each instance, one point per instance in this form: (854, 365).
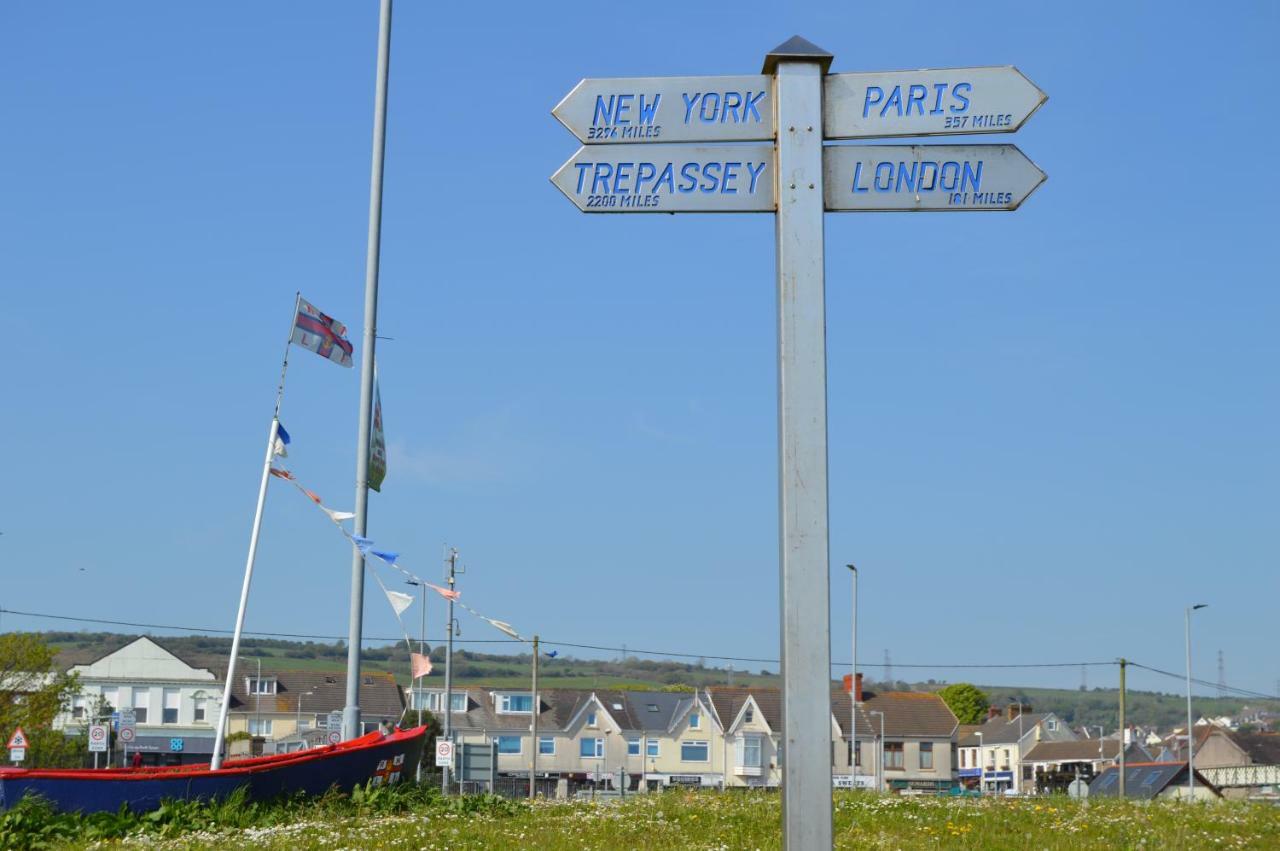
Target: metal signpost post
(795, 105)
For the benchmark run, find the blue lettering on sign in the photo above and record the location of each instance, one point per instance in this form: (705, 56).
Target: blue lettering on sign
(916, 177)
(643, 184)
(625, 116)
(900, 106)
(721, 108)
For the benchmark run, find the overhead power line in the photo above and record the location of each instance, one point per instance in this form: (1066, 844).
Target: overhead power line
(1221, 686)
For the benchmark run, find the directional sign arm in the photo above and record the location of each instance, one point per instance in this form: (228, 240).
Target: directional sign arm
(927, 178)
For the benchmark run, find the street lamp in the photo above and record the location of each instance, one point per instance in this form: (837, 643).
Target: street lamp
(1191, 767)
(297, 723)
(853, 677)
(422, 648)
(880, 753)
(981, 762)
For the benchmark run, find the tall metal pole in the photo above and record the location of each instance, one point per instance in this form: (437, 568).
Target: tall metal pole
(351, 712)
(804, 555)
(1123, 726)
(219, 737)
(448, 673)
(422, 644)
(533, 725)
(853, 680)
(1191, 757)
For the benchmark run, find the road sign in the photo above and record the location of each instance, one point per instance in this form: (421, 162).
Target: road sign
(127, 735)
(128, 718)
(115, 720)
(334, 736)
(1078, 789)
(98, 738)
(17, 754)
(669, 109)
(940, 102)
(444, 752)
(18, 739)
(927, 177)
(334, 722)
(669, 179)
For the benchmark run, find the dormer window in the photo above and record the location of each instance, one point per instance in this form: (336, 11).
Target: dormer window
(749, 715)
(653, 707)
(591, 719)
(695, 721)
(515, 703)
(260, 685)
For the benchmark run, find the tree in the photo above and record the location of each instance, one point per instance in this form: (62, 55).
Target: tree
(32, 693)
(967, 702)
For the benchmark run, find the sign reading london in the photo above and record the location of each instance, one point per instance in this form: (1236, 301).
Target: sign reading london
(891, 178)
(669, 179)
(942, 102)
(669, 109)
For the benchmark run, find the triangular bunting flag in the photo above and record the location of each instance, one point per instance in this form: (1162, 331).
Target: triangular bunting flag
(399, 601)
(389, 558)
(282, 440)
(504, 627)
(421, 665)
(363, 544)
(281, 474)
(338, 516)
(447, 593)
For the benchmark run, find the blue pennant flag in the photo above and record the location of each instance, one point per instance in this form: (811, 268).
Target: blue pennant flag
(362, 544)
(551, 654)
(389, 558)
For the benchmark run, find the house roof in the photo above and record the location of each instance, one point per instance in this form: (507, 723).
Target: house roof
(911, 713)
(1083, 750)
(1004, 731)
(729, 700)
(1144, 780)
(379, 694)
(1262, 748)
(67, 658)
(653, 711)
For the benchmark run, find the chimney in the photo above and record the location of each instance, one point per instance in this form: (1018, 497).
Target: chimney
(993, 712)
(857, 688)
(1016, 709)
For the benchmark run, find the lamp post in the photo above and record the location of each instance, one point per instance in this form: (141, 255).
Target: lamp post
(1191, 766)
(879, 753)
(853, 677)
(297, 722)
(422, 648)
(981, 763)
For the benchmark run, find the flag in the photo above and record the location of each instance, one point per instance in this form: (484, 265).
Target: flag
(281, 474)
(421, 665)
(399, 601)
(324, 335)
(362, 544)
(338, 516)
(504, 627)
(551, 654)
(378, 441)
(389, 558)
(282, 440)
(447, 593)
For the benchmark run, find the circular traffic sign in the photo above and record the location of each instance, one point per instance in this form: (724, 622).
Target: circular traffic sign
(98, 734)
(334, 737)
(444, 749)
(126, 734)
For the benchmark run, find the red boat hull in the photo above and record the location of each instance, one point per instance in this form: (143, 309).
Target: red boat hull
(372, 757)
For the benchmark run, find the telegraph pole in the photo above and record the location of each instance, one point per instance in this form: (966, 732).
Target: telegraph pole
(448, 672)
(1123, 728)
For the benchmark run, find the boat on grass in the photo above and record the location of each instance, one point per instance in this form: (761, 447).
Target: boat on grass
(372, 758)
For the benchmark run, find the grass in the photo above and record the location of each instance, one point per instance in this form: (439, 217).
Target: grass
(408, 818)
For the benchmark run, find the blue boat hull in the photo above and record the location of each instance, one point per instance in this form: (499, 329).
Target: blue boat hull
(370, 758)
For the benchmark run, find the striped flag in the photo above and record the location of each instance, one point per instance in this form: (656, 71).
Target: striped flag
(324, 335)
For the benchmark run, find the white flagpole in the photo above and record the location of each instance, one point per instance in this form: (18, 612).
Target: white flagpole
(272, 436)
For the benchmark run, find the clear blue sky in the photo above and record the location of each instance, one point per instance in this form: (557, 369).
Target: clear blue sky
(1049, 430)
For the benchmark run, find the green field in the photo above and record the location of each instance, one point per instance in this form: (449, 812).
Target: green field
(708, 820)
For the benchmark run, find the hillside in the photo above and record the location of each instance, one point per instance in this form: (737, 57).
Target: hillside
(1096, 706)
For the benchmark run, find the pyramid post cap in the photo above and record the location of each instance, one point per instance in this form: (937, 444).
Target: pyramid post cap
(796, 48)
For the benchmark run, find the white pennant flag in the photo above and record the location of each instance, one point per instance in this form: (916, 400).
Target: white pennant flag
(338, 516)
(398, 601)
(504, 626)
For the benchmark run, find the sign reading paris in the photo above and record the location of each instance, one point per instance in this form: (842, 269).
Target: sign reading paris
(669, 109)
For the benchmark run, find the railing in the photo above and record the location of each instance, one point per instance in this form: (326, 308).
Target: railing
(1236, 776)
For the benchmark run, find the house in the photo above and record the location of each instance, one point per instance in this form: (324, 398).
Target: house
(278, 704)
(990, 757)
(175, 702)
(1150, 780)
(916, 751)
(1054, 765)
(752, 721)
(1243, 766)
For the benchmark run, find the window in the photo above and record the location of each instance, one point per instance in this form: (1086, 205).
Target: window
(926, 756)
(748, 716)
(964, 756)
(651, 748)
(591, 718)
(515, 703)
(169, 714)
(853, 755)
(1004, 764)
(694, 752)
(1051, 725)
(991, 760)
(591, 748)
(547, 745)
(508, 744)
(633, 746)
(695, 721)
(433, 700)
(747, 750)
(653, 707)
(894, 755)
(198, 709)
(259, 726)
(263, 685)
(111, 698)
(78, 707)
(141, 703)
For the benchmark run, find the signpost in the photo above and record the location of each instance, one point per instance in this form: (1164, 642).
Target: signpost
(444, 753)
(942, 102)
(127, 735)
(799, 104)
(949, 178)
(18, 746)
(97, 739)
